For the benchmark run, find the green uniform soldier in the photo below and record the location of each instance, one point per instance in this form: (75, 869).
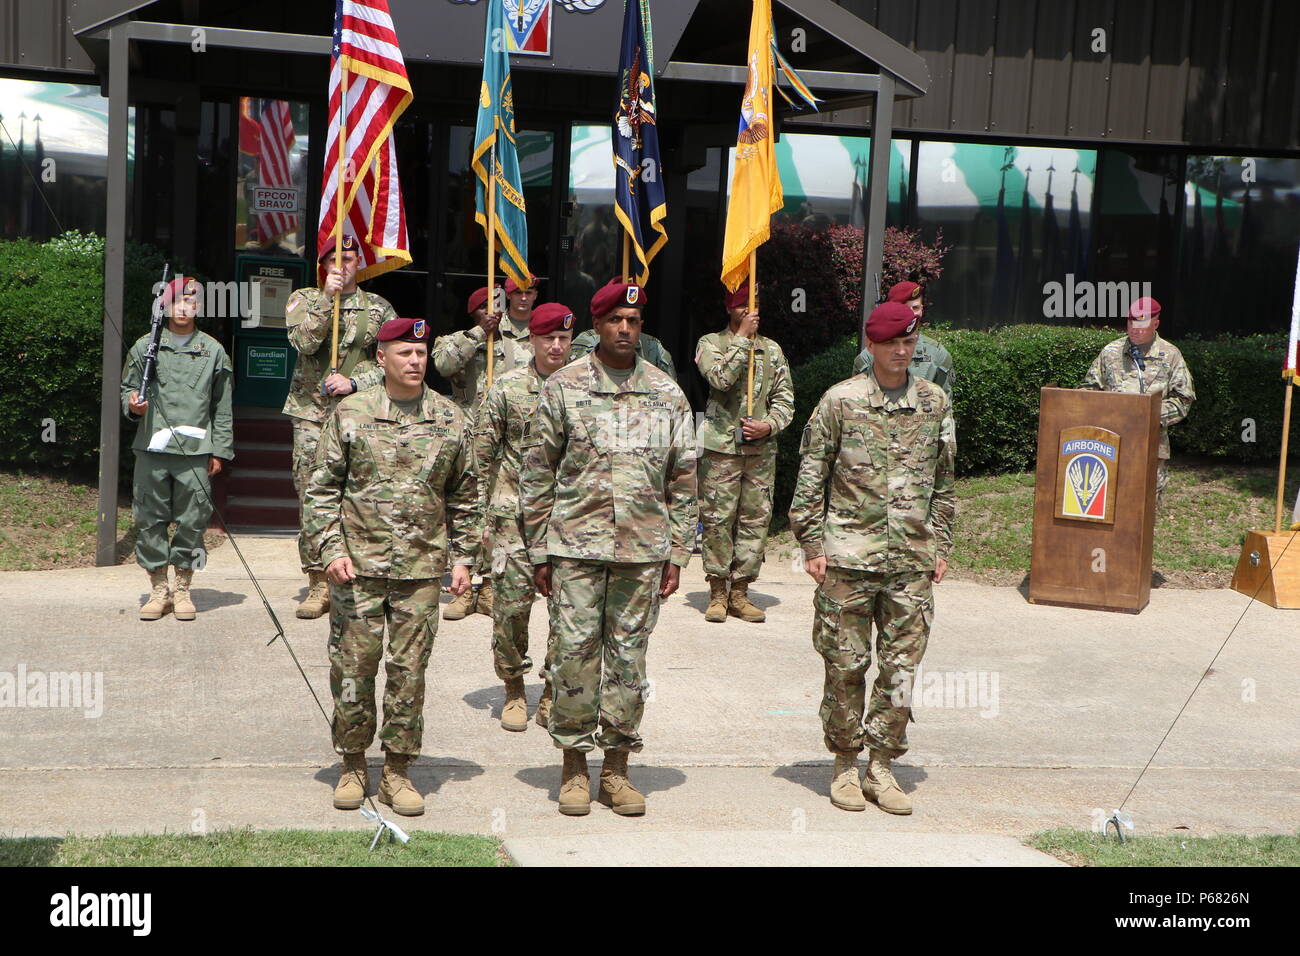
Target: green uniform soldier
(507, 409)
(316, 389)
(736, 478)
(462, 358)
(647, 347)
(607, 494)
(185, 431)
(931, 361)
(392, 477)
(1145, 363)
(873, 510)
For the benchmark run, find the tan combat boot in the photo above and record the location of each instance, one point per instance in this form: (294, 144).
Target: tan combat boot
(543, 715)
(717, 610)
(317, 601)
(182, 603)
(160, 598)
(514, 715)
(460, 606)
(846, 788)
(880, 786)
(575, 785)
(616, 790)
(738, 605)
(483, 603)
(396, 789)
(354, 782)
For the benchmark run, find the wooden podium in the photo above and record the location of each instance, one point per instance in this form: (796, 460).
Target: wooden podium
(1095, 499)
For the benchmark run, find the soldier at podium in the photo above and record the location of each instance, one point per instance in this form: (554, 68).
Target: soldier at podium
(1143, 362)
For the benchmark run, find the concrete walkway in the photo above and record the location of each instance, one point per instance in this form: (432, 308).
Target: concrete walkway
(1028, 718)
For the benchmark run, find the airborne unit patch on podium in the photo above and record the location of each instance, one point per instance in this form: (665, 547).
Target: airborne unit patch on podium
(1085, 483)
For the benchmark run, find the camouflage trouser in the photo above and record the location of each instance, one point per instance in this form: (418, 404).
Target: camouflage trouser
(736, 508)
(1162, 481)
(845, 605)
(170, 488)
(306, 436)
(358, 612)
(512, 603)
(602, 615)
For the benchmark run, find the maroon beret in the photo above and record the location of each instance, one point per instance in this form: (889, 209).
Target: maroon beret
(513, 286)
(889, 320)
(175, 289)
(551, 317)
(734, 300)
(904, 292)
(477, 300)
(404, 330)
(1144, 309)
(349, 245)
(616, 295)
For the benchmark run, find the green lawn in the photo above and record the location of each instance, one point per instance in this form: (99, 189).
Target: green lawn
(254, 848)
(1084, 848)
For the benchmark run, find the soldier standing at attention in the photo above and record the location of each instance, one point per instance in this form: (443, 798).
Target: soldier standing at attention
(508, 408)
(1143, 362)
(873, 509)
(647, 347)
(316, 389)
(736, 477)
(931, 361)
(392, 476)
(607, 494)
(462, 359)
(178, 447)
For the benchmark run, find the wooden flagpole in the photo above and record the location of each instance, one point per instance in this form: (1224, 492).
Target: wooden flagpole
(627, 256)
(492, 251)
(753, 302)
(1281, 468)
(338, 211)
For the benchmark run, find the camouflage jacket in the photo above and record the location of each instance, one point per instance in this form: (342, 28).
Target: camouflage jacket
(647, 347)
(723, 360)
(1113, 370)
(931, 362)
(609, 470)
(309, 317)
(461, 358)
(193, 386)
(386, 488)
(499, 428)
(875, 490)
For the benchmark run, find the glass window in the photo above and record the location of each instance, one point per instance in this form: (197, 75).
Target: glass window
(593, 252)
(271, 180)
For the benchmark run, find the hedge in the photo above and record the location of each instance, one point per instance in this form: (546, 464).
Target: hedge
(999, 374)
(51, 330)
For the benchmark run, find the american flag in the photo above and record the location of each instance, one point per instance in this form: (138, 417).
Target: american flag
(365, 45)
(275, 142)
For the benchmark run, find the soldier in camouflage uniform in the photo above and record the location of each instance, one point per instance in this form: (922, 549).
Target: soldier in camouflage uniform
(462, 358)
(873, 509)
(316, 389)
(931, 360)
(507, 409)
(1116, 370)
(392, 476)
(184, 434)
(607, 494)
(648, 347)
(736, 478)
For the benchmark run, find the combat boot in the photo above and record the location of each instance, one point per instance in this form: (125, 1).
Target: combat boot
(616, 790)
(846, 788)
(354, 782)
(738, 604)
(461, 606)
(575, 785)
(880, 786)
(182, 603)
(514, 715)
(317, 601)
(717, 610)
(543, 715)
(160, 598)
(396, 789)
(483, 604)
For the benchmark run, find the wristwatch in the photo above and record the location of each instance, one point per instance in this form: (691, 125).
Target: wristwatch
(354, 384)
